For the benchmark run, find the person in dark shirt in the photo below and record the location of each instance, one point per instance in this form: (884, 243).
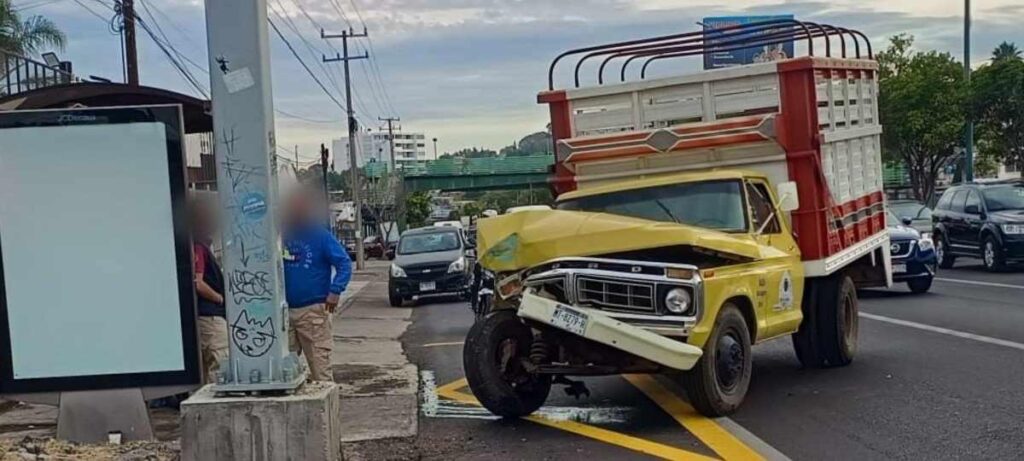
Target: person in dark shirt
(317, 270)
(209, 287)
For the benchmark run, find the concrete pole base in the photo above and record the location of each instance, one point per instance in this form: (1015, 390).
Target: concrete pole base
(305, 425)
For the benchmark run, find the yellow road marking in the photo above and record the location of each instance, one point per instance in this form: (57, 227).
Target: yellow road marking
(707, 430)
(452, 386)
(453, 343)
(450, 391)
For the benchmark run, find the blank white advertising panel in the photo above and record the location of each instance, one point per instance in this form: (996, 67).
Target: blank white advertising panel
(96, 265)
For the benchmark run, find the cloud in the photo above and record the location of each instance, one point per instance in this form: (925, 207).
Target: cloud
(468, 71)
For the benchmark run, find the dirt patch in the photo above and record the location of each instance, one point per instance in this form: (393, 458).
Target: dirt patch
(38, 448)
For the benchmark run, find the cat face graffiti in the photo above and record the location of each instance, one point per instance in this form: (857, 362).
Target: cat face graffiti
(251, 337)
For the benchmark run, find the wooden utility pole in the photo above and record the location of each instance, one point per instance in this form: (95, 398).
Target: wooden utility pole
(353, 161)
(131, 53)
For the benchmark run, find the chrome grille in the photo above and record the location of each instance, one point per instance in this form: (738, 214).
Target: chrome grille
(616, 294)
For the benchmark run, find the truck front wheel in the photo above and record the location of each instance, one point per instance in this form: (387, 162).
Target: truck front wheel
(491, 358)
(717, 385)
(828, 333)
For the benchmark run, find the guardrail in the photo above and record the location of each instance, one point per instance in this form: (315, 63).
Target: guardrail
(19, 74)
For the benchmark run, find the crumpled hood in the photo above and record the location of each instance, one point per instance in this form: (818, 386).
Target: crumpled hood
(525, 239)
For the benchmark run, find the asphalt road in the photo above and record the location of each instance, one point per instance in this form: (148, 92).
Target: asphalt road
(937, 376)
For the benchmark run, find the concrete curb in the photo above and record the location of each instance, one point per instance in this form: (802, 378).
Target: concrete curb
(379, 385)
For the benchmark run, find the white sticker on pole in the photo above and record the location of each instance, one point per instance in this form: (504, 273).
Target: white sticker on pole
(238, 80)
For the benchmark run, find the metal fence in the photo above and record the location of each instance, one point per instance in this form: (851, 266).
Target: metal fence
(19, 74)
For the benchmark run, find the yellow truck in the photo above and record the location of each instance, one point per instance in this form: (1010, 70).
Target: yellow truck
(696, 215)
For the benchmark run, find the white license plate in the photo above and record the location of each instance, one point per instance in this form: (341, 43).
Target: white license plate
(569, 319)
(428, 286)
(899, 268)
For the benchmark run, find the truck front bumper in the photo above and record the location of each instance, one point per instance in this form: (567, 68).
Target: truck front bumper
(601, 328)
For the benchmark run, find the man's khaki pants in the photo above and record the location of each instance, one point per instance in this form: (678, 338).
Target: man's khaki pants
(213, 342)
(309, 330)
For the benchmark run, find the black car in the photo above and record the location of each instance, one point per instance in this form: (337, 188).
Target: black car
(913, 254)
(429, 261)
(980, 220)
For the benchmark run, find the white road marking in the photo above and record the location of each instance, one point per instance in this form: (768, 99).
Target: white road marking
(435, 407)
(428, 384)
(945, 331)
(984, 284)
(452, 343)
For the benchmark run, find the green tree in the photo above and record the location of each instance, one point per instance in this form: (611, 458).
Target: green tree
(337, 181)
(997, 91)
(535, 143)
(27, 35)
(417, 209)
(1006, 51)
(472, 152)
(472, 209)
(922, 103)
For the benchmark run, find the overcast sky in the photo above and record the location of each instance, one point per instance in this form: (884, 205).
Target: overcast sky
(467, 71)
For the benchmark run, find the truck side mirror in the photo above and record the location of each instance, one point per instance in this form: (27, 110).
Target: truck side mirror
(907, 220)
(787, 194)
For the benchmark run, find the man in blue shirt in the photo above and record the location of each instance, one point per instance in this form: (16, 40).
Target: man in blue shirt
(312, 292)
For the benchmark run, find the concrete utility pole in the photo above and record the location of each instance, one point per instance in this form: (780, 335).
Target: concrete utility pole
(353, 161)
(969, 135)
(391, 138)
(131, 54)
(435, 148)
(397, 207)
(245, 149)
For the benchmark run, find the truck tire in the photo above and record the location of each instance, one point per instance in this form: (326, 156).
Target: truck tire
(828, 334)
(719, 382)
(506, 390)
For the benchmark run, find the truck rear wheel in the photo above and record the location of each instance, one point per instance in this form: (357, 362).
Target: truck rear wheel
(828, 333)
(491, 359)
(719, 382)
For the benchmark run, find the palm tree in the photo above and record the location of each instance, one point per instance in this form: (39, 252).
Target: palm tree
(1006, 51)
(27, 35)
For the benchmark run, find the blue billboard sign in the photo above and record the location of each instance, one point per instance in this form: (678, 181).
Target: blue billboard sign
(750, 55)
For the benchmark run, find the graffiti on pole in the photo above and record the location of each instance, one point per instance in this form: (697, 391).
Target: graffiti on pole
(252, 337)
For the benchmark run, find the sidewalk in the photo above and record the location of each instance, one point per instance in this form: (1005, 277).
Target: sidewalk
(378, 389)
(378, 383)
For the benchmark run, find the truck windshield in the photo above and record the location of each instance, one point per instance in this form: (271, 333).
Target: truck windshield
(1008, 197)
(710, 204)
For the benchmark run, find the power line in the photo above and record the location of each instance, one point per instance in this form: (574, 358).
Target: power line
(326, 69)
(305, 119)
(31, 5)
(304, 66)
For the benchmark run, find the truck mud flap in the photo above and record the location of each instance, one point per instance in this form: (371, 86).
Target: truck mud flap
(596, 326)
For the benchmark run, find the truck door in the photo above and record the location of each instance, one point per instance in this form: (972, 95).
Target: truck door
(778, 296)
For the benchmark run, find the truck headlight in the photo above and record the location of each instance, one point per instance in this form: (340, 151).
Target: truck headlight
(397, 272)
(925, 244)
(458, 265)
(1014, 229)
(678, 300)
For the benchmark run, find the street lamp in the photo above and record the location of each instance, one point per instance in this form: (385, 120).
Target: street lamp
(435, 148)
